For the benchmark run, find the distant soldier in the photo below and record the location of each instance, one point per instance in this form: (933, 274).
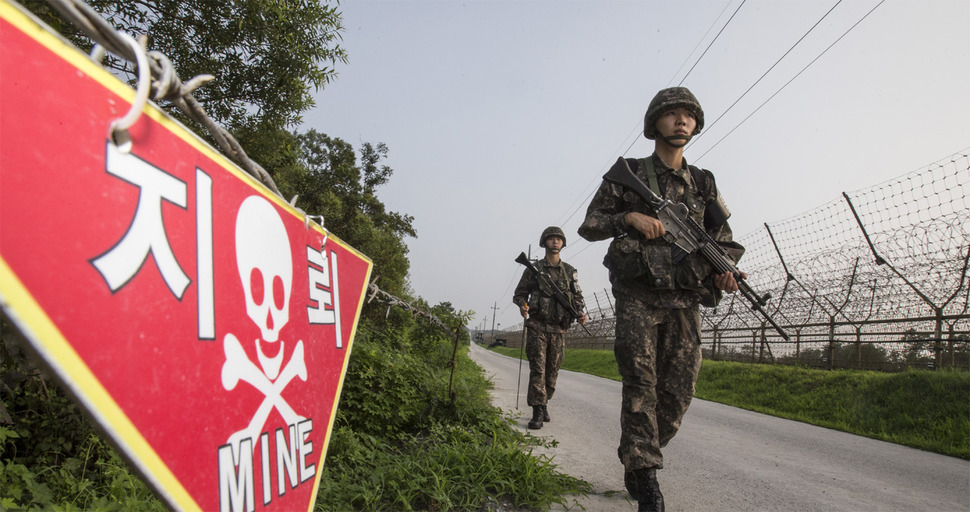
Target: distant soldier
(658, 340)
(547, 320)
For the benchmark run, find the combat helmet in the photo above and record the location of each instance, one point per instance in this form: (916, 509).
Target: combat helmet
(667, 99)
(552, 231)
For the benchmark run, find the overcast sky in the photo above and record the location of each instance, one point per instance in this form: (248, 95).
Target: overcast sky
(501, 117)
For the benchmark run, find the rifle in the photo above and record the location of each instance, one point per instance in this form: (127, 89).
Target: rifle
(560, 296)
(687, 236)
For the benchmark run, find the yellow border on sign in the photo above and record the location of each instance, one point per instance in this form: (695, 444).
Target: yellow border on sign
(54, 347)
(65, 361)
(340, 382)
(47, 339)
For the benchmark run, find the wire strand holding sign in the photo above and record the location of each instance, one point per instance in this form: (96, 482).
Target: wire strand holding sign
(165, 82)
(118, 130)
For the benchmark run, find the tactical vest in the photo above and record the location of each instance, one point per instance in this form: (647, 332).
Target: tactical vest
(543, 305)
(648, 264)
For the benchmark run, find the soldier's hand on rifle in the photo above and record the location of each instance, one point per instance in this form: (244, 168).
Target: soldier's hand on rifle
(649, 226)
(524, 310)
(727, 283)
(582, 319)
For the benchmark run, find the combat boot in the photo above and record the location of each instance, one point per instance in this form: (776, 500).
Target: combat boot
(536, 422)
(545, 413)
(643, 487)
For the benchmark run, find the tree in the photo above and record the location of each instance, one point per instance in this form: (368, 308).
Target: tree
(266, 56)
(329, 182)
(918, 351)
(958, 352)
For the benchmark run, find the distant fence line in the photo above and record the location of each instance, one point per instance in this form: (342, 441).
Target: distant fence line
(876, 279)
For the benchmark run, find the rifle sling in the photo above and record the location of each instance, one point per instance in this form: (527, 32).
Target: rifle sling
(698, 175)
(652, 176)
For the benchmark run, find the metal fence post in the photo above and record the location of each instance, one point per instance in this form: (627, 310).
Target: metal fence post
(831, 342)
(938, 337)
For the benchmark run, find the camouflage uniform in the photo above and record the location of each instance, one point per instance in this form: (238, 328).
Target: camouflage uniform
(657, 318)
(546, 324)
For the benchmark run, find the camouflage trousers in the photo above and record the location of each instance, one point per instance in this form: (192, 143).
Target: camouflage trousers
(544, 350)
(659, 355)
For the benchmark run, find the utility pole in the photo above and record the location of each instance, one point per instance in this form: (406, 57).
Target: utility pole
(494, 308)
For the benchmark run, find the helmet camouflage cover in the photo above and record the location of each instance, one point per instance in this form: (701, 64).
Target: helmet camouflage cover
(552, 231)
(667, 99)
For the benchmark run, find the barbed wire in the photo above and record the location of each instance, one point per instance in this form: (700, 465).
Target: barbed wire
(165, 82)
(392, 301)
(885, 265)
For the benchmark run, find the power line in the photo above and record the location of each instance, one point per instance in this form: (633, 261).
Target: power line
(712, 44)
(513, 279)
(637, 131)
(587, 245)
(763, 75)
(699, 41)
(792, 80)
(594, 182)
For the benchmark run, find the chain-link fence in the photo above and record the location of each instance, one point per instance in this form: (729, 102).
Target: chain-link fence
(876, 279)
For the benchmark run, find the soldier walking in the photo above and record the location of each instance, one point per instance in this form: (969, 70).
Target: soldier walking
(547, 320)
(658, 341)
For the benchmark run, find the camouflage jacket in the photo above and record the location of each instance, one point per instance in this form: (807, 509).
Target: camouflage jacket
(644, 268)
(545, 311)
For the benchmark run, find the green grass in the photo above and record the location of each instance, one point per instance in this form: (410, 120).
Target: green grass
(922, 409)
(447, 468)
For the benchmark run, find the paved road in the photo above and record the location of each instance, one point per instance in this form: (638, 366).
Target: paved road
(729, 459)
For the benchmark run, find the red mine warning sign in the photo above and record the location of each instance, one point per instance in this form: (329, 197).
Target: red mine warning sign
(201, 320)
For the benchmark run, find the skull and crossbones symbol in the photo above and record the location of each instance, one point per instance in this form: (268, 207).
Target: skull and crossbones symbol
(265, 267)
